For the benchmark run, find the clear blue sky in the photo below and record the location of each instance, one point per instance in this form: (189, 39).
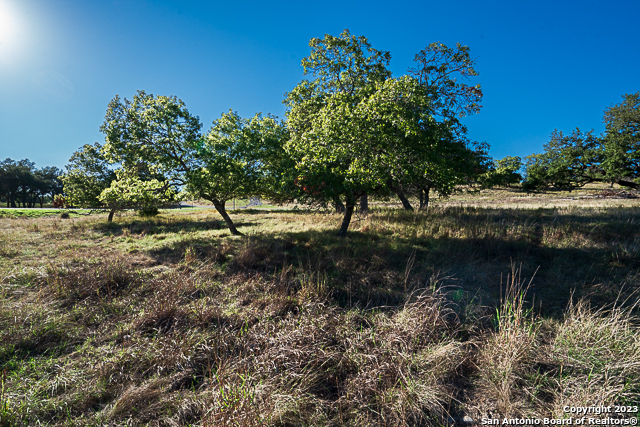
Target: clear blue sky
(543, 64)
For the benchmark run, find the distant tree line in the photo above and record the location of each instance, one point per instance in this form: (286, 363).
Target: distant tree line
(570, 161)
(22, 185)
(574, 160)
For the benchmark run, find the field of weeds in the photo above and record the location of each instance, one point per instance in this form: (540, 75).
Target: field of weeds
(415, 319)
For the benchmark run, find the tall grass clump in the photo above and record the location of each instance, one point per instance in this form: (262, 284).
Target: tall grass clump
(106, 280)
(508, 353)
(7, 416)
(597, 352)
(7, 250)
(332, 366)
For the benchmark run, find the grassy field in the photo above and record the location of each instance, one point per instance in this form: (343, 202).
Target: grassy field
(194, 205)
(482, 307)
(33, 213)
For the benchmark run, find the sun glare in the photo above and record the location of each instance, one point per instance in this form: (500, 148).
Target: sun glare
(6, 22)
(9, 28)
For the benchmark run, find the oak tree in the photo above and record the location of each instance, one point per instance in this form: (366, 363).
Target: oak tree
(87, 175)
(16, 180)
(141, 191)
(228, 162)
(568, 162)
(355, 130)
(236, 159)
(622, 142)
(333, 157)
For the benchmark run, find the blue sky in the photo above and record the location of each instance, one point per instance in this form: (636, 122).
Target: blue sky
(543, 64)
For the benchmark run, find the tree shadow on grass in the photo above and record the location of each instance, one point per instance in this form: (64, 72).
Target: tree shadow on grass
(164, 226)
(375, 268)
(383, 273)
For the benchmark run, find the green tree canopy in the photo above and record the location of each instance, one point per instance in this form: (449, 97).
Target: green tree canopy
(569, 161)
(133, 190)
(230, 161)
(152, 130)
(91, 181)
(47, 183)
(622, 141)
(421, 152)
(442, 70)
(17, 181)
(87, 175)
(503, 172)
(326, 118)
(236, 159)
(20, 181)
(355, 130)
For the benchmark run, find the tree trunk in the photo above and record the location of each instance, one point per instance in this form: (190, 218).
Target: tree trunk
(346, 219)
(403, 198)
(364, 204)
(219, 205)
(337, 203)
(13, 202)
(424, 198)
(111, 212)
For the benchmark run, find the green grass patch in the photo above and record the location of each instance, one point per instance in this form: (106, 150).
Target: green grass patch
(32, 213)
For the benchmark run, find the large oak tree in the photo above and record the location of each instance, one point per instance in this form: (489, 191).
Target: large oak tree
(355, 130)
(333, 159)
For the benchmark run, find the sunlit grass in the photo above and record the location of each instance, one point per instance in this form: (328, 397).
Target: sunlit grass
(32, 213)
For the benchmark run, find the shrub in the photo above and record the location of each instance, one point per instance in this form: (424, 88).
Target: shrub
(148, 211)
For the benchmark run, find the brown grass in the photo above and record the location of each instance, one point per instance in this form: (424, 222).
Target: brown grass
(171, 321)
(508, 354)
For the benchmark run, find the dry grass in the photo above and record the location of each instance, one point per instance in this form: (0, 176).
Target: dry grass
(508, 354)
(172, 321)
(351, 367)
(598, 353)
(535, 368)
